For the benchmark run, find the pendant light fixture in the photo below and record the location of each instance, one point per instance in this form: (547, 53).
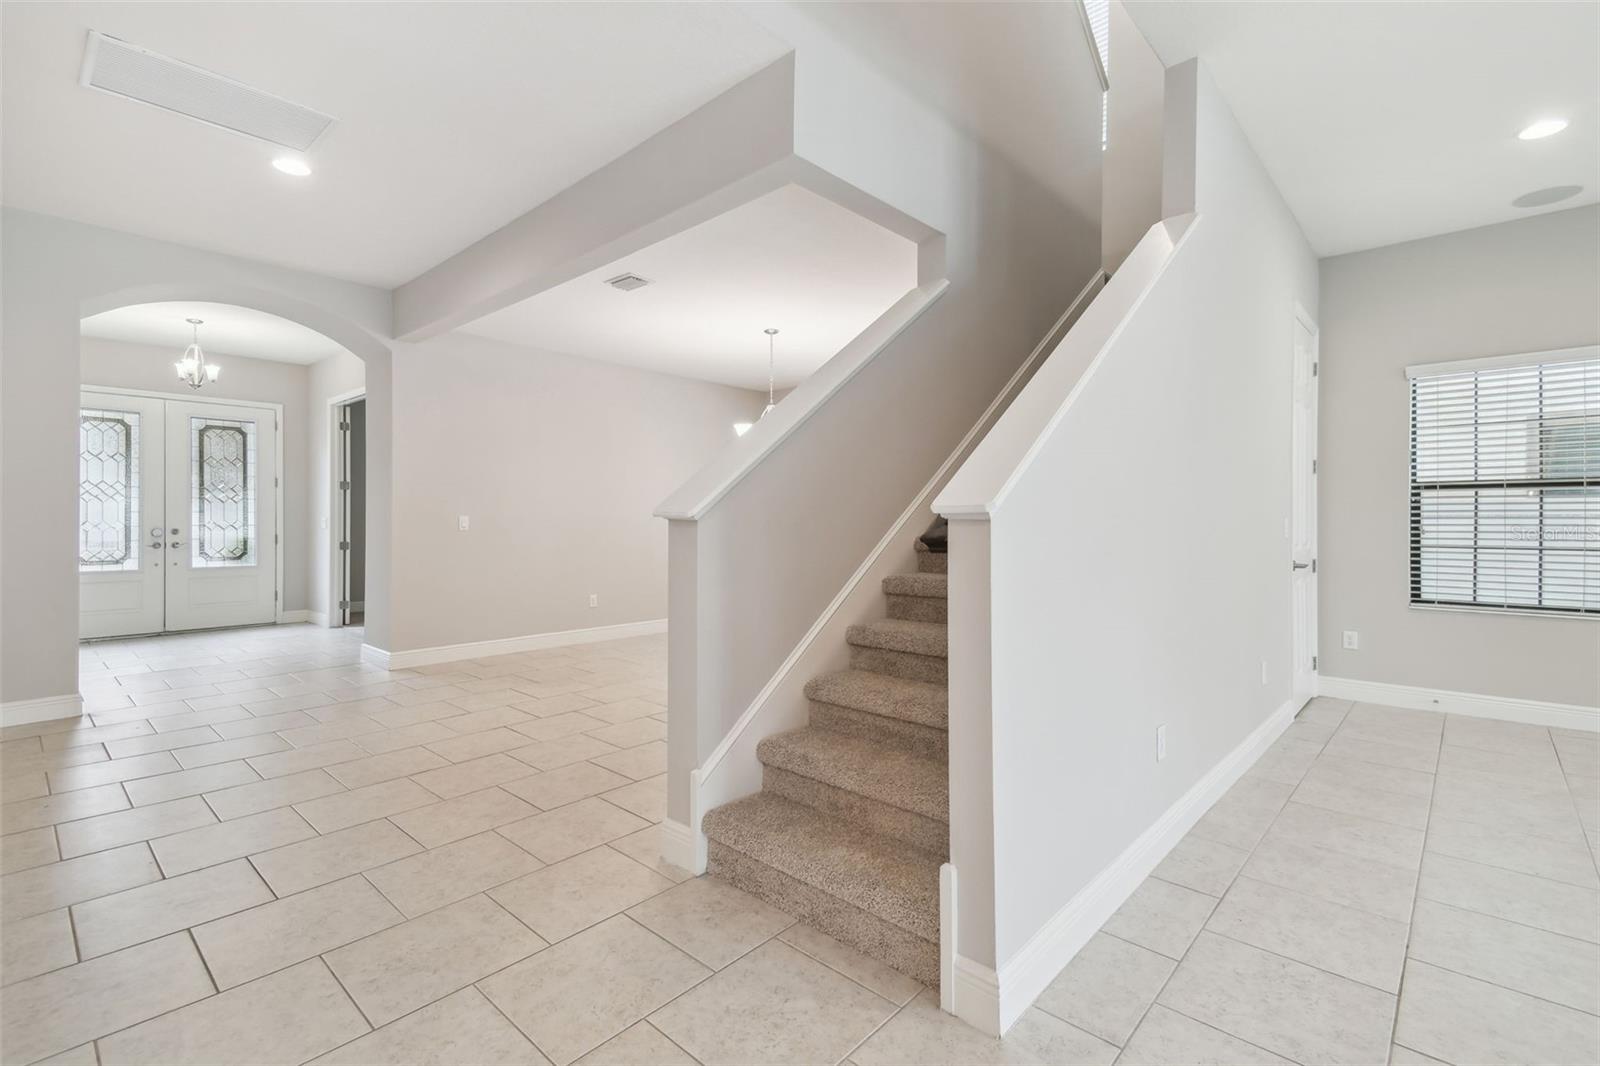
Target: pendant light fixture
(741, 428)
(193, 370)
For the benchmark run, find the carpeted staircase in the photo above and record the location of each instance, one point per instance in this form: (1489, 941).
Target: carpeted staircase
(853, 819)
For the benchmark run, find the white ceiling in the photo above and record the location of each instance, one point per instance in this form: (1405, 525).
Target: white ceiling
(791, 259)
(228, 330)
(1386, 122)
(452, 118)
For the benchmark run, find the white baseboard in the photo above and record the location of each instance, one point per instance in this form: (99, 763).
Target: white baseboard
(317, 618)
(1533, 712)
(294, 617)
(44, 709)
(483, 649)
(993, 1002)
(678, 845)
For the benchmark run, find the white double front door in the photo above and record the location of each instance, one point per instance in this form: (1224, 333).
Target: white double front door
(177, 514)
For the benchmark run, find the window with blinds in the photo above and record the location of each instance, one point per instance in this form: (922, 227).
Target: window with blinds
(1505, 484)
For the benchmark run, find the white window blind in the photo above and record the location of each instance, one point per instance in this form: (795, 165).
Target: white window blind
(1505, 486)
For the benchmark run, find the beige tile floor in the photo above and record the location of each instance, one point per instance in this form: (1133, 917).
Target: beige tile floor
(258, 850)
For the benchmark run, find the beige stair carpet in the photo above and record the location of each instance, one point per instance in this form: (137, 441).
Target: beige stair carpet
(853, 820)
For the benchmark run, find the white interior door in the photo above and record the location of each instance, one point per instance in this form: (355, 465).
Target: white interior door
(221, 520)
(121, 515)
(1303, 520)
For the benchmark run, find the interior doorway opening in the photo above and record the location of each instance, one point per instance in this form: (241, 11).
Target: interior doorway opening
(195, 432)
(349, 548)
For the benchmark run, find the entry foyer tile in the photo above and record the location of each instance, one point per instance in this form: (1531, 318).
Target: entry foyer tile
(410, 965)
(773, 1005)
(256, 942)
(453, 872)
(65, 1008)
(460, 1028)
(138, 914)
(1283, 1006)
(576, 893)
(291, 1016)
(575, 995)
(328, 858)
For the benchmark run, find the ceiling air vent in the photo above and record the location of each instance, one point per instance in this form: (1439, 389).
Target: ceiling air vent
(627, 282)
(117, 67)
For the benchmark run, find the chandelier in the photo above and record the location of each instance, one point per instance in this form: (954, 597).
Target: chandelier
(193, 370)
(741, 428)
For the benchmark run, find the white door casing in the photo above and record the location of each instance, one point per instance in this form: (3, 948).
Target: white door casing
(1303, 515)
(207, 503)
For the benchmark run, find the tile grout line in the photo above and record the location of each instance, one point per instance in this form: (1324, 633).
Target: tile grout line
(1204, 926)
(1416, 891)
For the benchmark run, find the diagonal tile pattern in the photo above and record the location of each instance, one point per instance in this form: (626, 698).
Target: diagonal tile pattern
(460, 863)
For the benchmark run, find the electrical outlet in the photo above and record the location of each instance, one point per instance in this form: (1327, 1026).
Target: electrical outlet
(594, 599)
(463, 523)
(1352, 640)
(1161, 742)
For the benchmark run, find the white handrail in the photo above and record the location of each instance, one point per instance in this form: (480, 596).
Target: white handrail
(979, 488)
(730, 466)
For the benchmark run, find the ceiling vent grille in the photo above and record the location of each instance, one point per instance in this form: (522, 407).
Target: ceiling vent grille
(627, 282)
(135, 73)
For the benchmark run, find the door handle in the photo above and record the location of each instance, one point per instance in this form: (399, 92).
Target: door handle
(1302, 566)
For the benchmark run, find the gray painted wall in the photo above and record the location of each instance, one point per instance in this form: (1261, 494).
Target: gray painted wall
(559, 463)
(122, 365)
(1131, 187)
(1521, 286)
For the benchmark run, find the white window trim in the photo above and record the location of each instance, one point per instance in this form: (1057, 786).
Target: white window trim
(1495, 362)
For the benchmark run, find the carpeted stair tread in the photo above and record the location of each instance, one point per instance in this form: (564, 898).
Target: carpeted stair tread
(885, 878)
(895, 634)
(932, 586)
(879, 770)
(892, 697)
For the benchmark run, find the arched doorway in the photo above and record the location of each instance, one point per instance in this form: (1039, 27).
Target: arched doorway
(291, 515)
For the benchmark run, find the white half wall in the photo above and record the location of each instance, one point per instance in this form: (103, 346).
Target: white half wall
(1134, 571)
(124, 365)
(1526, 286)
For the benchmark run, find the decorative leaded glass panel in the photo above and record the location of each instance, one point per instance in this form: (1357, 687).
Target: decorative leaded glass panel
(223, 475)
(108, 490)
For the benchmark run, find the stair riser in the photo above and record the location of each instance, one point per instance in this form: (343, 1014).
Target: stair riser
(933, 562)
(918, 608)
(900, 664)
(910, 954)
(860, 811)
(924, 740)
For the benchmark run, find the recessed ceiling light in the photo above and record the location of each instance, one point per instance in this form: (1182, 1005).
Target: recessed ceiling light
(1545, 127)
(292, 165)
